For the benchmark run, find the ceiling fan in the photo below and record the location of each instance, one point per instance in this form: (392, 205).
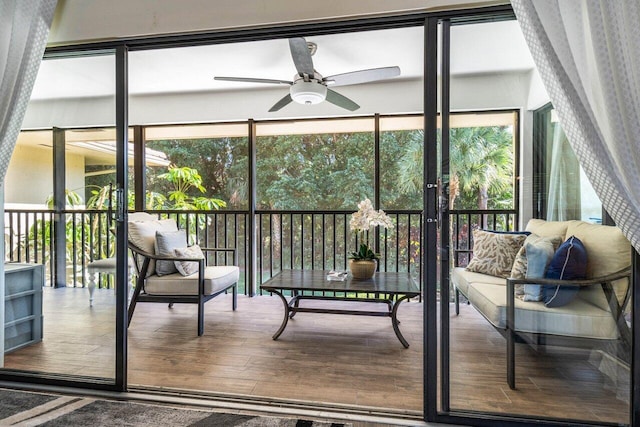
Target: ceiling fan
(309, 87)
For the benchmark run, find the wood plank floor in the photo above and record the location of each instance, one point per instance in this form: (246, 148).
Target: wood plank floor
(341, 360)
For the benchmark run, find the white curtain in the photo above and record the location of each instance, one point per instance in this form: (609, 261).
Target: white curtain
(24, 28)
(563, 201)
(588, 54)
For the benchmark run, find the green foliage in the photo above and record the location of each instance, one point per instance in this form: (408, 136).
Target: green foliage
(364, 253)
(482, 167)
(185, 180)
(222, 164)
(71, 199)
(335, 170)
(401, 169)
(314, 171)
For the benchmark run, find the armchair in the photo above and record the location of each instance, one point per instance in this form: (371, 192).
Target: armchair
(169, 272)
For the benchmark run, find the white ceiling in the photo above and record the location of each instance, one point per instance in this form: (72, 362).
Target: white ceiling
(476, 49)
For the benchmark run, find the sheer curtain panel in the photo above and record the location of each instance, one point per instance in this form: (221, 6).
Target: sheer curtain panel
(24, 28)
(588, 54)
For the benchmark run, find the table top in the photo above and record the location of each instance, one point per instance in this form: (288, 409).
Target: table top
(316, 280)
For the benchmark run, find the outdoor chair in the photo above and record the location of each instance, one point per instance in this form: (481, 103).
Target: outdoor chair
(169, 271)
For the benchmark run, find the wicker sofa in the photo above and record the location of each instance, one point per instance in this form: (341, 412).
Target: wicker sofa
(595, 317)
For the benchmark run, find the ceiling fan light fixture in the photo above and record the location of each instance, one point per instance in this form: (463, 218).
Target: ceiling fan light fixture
(308, 92)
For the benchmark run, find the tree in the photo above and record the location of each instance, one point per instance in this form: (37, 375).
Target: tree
(315, 171)
(221, 162)
(405, 191)
(481, 167)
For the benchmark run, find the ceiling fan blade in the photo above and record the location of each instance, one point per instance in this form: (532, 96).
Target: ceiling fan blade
(278, 105)
(301, 56)
(252, 80)
(341, 100)
(362, 76)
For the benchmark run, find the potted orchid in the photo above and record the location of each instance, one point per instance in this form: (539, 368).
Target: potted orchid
(364, 262)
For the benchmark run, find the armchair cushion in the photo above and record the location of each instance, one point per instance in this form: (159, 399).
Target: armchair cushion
(142, 234)
(166, 244)
(187, 268)
(216, 278)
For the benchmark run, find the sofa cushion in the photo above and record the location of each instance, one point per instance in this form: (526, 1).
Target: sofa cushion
(493, 253)
(187, 268)
(609, 252)
(216, 278)
(539, 255)
(578, 318)
(548, 228)
(461, 278)
(143, 235)
(568, 263)
(166, 244)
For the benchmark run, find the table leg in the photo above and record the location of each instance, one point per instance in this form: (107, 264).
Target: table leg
(94, 277)
(296, 303)
(286, 314)
(395, 322)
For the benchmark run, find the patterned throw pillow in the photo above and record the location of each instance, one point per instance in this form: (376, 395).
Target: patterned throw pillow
(187, 268)
(493, 253)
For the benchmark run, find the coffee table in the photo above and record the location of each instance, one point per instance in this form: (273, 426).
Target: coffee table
(388, 288)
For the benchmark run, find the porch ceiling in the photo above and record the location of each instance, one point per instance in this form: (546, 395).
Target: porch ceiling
(479, 49)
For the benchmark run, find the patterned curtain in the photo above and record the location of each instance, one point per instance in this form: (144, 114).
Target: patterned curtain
(24, 28)
(588, 54)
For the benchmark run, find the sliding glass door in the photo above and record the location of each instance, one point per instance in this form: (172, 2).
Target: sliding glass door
(566, 366)
(62, 234)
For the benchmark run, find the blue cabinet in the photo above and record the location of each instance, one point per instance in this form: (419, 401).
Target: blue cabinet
(23, 305)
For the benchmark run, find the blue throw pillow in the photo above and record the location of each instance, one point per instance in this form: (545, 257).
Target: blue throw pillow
(539, 255)
(568, 263)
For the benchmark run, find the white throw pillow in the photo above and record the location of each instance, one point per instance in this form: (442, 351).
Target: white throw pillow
(143, 235)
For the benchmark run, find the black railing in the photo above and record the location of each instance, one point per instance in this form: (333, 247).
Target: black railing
(322, 241)
(30, 238)
(286, 239)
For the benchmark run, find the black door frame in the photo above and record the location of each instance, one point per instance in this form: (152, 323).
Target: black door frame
(432, 212)
(444, 413)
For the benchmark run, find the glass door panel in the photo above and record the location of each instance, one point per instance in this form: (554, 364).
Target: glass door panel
(558, 375)
(60, 290)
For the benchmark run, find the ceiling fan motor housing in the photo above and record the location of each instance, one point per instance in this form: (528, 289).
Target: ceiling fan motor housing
(311, 92)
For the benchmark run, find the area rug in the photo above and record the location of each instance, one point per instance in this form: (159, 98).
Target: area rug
(40, 409)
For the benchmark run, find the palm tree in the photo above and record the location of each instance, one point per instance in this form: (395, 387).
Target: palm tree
(481, 166)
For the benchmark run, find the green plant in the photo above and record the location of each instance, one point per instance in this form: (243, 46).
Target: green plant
(71, 199)
(184, 180)
(365, 253)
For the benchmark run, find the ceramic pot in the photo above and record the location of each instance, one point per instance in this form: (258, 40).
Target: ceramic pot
(363, 269)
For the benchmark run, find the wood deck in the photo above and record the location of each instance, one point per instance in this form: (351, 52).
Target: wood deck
(340, 360)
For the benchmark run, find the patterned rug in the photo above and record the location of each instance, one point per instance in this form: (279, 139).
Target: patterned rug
(38, 409)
